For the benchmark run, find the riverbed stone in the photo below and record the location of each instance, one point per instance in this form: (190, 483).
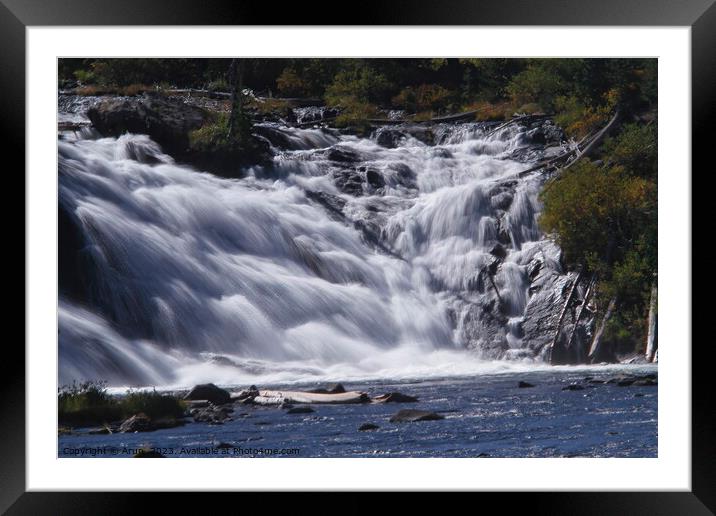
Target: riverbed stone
(411, 415)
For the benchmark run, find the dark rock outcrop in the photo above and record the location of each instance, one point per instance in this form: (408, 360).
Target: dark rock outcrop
(209, 392)
(367, 427)
(168, 122)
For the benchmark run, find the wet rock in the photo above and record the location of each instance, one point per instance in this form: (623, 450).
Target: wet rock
(389, 137)
(342, 154)
(395, 397)
(168, 122)
(276, 137)
(498, 251)
(644, 382)
(367, 427)
(524, 385)
(348, 181)
(410, 415)
(300, 410)
(442, 152)
(209, 392)
(573, 387)
(374, 179)
(212, 414)
(225, 446)
(401, 174)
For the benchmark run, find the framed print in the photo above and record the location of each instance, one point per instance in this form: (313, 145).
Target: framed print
(429, 250)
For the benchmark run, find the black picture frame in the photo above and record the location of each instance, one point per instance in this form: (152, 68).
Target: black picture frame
(16, 15)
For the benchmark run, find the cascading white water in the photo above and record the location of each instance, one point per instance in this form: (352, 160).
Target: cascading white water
(199, 278)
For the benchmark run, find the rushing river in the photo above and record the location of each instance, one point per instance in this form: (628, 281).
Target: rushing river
(409, 253)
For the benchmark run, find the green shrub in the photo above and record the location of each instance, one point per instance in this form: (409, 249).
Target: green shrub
(152, 404)
(357, 84)
(356, 114)
(218, 85)
(289, 83)
(214, 135)
(537, 84)
(86, 403)
(595, 214)
(426, 97)
(635, 148)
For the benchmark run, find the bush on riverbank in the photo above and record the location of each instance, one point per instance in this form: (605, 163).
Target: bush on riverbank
(604, 215)
(89, 403)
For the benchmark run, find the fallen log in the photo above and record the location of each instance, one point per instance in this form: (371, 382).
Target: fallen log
(300, 397)
(594, 142)
(597, 340)
(651, 339)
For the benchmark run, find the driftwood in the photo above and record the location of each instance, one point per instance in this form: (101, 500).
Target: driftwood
(300, 397)
(584, 148)
(597, 340)
(561, 316)
(651, 339)
(580, 311)
(595, 141)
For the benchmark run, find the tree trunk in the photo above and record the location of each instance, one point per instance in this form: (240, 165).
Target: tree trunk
(597, 340)
(651, 339)
(235, 78)
(580, 310)
(561, 316)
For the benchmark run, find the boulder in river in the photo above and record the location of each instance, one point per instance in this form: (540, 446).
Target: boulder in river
(394, 397)
(367, 427)
(524, 385)
(212, 414)
(209, 392)
(573, 387)
(410, 415)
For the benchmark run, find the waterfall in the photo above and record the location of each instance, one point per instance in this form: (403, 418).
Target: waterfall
(345, 257)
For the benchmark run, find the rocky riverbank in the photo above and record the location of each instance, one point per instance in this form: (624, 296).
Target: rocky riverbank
(503, 415)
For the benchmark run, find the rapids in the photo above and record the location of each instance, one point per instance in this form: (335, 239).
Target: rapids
(349, 257)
